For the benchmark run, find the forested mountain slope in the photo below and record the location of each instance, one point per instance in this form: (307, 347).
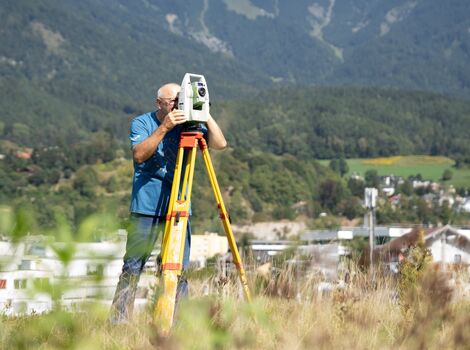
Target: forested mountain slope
(331, 122)
(71, 67)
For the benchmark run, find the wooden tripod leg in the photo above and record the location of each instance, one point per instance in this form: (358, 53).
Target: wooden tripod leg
(225, 218)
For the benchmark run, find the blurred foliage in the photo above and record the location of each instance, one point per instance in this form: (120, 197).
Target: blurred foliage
(364, 315)
(415, 261)
(356, 246)
(58, 329)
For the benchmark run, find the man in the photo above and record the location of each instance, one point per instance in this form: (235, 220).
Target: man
(154, 139)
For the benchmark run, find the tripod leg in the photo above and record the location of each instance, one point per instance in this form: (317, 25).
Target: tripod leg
(173, 196)
(174, 241)
(225, 218)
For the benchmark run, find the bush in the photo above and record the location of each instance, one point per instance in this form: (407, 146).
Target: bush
(447, 175)
(411, 270)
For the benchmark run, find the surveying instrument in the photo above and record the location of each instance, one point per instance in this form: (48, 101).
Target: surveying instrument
(194, 101)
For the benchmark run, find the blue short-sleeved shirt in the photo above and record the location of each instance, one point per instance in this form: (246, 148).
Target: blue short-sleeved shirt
(151, 184)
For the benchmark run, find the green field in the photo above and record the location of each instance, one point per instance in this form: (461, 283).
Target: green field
(430, 167)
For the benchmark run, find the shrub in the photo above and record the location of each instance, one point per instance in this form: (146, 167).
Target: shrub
(411, 270)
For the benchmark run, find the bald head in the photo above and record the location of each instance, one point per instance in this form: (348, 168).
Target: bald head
(169, 90)
(166, 99)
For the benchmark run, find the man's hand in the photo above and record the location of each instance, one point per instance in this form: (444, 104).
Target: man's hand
(172, 119)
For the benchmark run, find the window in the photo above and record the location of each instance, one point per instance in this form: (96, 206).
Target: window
(3, 284)
(38, 250)
(95, 270)
(457, 258)
(20, 284)
(41, 283)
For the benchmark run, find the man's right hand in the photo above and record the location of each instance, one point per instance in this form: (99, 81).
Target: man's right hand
(173, 118)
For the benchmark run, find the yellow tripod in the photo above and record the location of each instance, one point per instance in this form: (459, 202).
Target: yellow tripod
(177, 223)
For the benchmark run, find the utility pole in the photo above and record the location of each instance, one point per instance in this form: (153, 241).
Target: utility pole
(370, 201)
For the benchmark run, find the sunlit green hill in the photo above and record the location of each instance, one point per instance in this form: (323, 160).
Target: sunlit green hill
(429, 167)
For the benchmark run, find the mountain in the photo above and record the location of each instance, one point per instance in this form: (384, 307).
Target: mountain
(123, 47)
(74, 67)
(411, 44)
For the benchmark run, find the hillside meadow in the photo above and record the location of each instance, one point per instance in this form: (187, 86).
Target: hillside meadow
(430, 167)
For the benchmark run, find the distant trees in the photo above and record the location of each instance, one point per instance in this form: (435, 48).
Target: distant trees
(372, 178)
(406, 188)
(20, 132)
(462, 161)
(339, 165)
(269, 172)
(331, 193)
(356, 187)
(447, 175)
(351, 207)
(85, 181)
(325, 123)
(44, 176)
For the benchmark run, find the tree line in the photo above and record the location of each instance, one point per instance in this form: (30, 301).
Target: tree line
(268, 173)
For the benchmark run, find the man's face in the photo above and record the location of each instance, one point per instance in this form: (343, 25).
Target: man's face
(168, 100)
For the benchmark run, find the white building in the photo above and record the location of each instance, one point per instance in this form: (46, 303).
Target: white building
(466, 205)
(87, 271)
(448, 246)
(31, 270)
(17, 292)
(206, 246)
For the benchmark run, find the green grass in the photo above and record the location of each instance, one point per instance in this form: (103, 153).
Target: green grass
(430, 167)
